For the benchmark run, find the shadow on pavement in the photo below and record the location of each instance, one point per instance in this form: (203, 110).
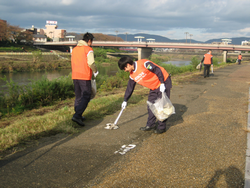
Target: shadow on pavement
(21, 154)
(176, 118)
(233, 177)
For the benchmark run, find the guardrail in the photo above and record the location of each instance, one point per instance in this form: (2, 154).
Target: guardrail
(226, 47)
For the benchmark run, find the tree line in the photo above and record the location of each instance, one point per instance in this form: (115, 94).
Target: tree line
(13, 34)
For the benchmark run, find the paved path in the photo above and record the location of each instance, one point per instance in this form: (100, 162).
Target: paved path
(204, 146)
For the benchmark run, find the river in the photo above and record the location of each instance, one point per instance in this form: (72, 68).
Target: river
(24, 78)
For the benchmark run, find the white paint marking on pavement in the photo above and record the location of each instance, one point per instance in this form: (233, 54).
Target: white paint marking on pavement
(125, 148)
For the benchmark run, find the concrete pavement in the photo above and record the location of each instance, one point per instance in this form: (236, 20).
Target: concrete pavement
(204, 146)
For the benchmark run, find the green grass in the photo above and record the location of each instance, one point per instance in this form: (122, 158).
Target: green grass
(59, 121)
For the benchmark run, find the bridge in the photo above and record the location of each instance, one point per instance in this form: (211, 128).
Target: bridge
(145, 48)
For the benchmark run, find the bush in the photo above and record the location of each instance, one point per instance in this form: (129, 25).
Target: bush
(100, 54)
(39, 93)
(195, 61)
(174, 70)
(11, 49)
(230, 60)
(37, 56)
(215, 61)
(44, 92)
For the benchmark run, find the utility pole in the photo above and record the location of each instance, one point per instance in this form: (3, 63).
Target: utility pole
(190, 37)
(186, 36)
(116, 35)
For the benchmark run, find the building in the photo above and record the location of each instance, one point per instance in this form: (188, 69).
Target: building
(70, 37)
(39, 38)
(226, 41)
(150, 40)
(33, 30)
(36, 36)
(139, 38)
(245, 43)
(52, 32)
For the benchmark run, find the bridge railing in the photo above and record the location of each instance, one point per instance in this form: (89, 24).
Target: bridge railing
(220, 46)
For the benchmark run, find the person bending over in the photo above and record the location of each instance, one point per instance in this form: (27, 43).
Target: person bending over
(152, 76)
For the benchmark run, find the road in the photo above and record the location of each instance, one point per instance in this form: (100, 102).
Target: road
(204, 146)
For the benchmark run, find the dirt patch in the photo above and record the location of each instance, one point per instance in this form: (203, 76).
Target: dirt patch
(4, 124)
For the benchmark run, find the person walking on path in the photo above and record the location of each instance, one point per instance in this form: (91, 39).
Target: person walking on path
(152, 76)
(208, 62)
(83, 66)
(239, 59)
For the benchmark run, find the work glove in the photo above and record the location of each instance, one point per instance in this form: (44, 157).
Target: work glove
(124, 104)
(162, 88)
(96, 73)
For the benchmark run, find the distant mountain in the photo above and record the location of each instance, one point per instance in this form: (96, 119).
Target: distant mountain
(158, 38)
(235, 41)
(98, 37)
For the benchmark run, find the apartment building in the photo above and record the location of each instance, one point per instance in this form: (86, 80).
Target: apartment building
(51, 30)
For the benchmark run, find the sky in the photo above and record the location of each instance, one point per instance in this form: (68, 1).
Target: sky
(202, 19)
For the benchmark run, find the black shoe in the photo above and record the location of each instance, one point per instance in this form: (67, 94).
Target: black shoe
(147, 128)
(204, 76)
(83, 118)
(78, 121)
(159, 131)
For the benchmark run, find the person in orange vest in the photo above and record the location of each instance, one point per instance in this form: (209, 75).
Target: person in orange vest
(152, 76)
(208, 62)
(83, 66)
(239, 59)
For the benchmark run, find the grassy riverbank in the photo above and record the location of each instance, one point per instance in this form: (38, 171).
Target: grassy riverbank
(45, 92)
(19, 127)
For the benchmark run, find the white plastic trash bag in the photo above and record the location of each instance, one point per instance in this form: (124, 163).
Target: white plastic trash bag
(162, 108)
(198, 66)
(93, 91)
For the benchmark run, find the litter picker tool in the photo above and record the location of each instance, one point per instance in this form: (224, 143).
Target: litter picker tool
(113, 125)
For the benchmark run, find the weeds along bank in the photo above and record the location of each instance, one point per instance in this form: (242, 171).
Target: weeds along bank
(15, 61)
(34, 61)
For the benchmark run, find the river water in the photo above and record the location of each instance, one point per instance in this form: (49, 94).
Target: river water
(24, 78)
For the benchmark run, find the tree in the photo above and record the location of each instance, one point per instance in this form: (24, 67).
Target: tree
(3, 30)
(13, 33)
(10, 33)
(25, 36)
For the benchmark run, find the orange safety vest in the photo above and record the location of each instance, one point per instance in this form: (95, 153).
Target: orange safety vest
(239, 57)
(207, 59)
(145, 77)
(79, 64)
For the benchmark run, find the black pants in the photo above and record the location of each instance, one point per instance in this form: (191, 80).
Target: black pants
(239, 61)
(206, 70)
(82, 96)
(153, 95)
